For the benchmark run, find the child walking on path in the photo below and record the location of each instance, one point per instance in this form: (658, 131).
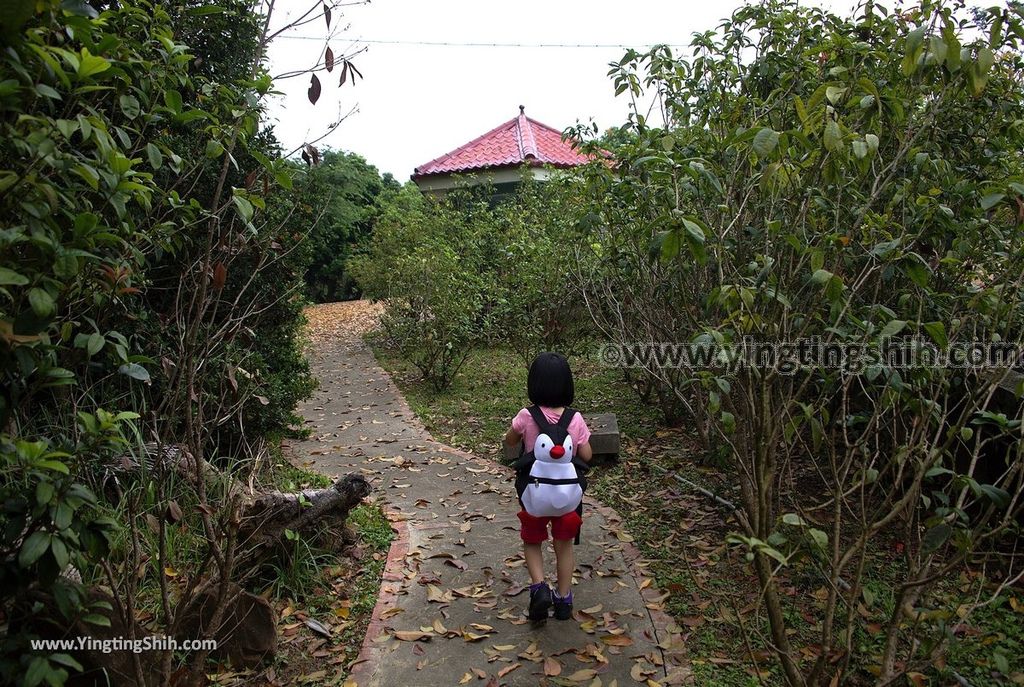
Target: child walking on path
(563, 437)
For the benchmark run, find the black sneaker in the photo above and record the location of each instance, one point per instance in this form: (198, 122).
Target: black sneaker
(540, 602)
(563, 606)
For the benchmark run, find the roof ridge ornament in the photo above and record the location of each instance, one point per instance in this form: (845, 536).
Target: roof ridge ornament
(527, 142)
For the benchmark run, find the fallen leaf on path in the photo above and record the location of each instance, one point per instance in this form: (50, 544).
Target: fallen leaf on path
(505, 671)
(552, 667)
(435, 594)
(456, 563)
(412, 635)
(582, 675)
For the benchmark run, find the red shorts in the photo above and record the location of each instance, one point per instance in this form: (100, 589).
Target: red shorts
(535, 530)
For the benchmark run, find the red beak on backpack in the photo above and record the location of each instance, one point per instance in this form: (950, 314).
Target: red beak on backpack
(557, 451)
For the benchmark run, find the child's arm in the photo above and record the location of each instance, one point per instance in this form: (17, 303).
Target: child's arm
(512, 438)
(584, 451)
(515, 432)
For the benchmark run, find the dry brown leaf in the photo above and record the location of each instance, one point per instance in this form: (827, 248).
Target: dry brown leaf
(505, 671)
(617, 640)
(411, 635)
(456, 563)
(552, 667)
(582, 675)
(435, 594)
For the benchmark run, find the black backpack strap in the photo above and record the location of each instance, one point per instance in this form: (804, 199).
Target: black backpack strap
(538, 416)
(567, 415)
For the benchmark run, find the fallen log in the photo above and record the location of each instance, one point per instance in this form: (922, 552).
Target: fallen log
(265, 517)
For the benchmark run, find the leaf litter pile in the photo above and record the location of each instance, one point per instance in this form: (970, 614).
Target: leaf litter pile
(346, 320)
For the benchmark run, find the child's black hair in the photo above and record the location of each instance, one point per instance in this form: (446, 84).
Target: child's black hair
(550, 381)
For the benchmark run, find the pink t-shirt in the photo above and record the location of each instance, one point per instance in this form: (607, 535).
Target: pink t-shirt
(523, 424)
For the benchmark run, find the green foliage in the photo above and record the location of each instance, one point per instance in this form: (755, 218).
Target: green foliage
(426, 261)
(538, 270)
(850, 180)
(459, 271)
(339, 199)
(138, 260)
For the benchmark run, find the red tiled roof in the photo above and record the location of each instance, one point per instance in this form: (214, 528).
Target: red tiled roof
(517, 141)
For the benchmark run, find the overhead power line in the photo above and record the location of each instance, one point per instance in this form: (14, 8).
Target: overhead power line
(451, 44)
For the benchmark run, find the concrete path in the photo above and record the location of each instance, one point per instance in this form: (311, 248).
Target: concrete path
(452, 602)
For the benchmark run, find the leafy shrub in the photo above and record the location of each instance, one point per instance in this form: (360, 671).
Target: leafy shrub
(339, 200)
(461, 271)
(424, 263)
(138, 260)
(538, 271)
(848, 180)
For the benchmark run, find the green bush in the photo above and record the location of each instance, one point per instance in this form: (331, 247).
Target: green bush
(461, 271)
(850, 180)
(138, 260)
(424, 262)
(539, 269)
(339, 199)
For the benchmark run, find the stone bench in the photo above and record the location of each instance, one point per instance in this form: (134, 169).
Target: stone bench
(604, 439)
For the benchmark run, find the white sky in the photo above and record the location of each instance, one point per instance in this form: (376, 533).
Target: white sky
(418, 102)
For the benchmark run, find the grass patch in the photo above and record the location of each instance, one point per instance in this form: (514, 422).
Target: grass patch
(474, 413)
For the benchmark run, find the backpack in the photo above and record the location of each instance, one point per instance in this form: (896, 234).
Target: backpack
(575, 472)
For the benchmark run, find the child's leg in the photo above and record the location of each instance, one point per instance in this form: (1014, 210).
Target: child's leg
(534, 562)
(566, 563)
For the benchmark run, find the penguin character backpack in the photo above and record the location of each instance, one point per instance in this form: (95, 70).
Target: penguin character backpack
(550, 480)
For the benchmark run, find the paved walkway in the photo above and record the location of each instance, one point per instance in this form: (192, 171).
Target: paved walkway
(451, 609)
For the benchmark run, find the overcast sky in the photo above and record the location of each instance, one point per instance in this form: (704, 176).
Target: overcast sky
(418, 101)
